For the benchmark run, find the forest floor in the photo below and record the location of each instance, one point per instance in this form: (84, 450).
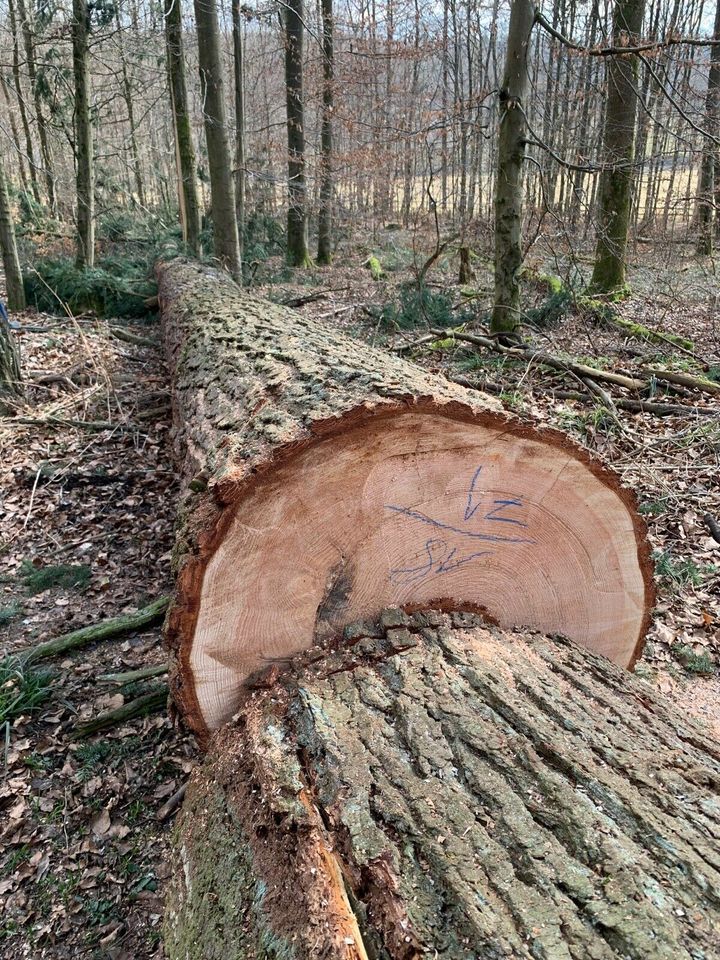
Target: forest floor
(87, 505)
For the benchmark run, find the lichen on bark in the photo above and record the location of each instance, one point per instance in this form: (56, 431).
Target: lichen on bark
(435, 787)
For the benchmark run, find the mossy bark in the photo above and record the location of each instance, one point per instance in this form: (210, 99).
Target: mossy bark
(708, 171)
(616, 181)
(10, 259)
(10, 381)
(226, 241)
(511, 152)
(184, 148)
(435, 787)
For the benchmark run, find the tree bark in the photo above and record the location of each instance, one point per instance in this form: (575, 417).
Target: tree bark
(434, 787)
(128, 95)
(225, 229)
(511, 152)
(8, 247)
(84, 160)
(618, 152)
(184, 149)
(297, 228)
(328, 480)
(10, 377)
(29, 148)
(708, 171)
(239, 73)
(324, 251)
(28, 41)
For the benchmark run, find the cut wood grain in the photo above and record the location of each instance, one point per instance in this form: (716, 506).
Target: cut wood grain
(327, 480)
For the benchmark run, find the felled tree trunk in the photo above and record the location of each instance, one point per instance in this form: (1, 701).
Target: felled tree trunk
(438, 788)
(329, 480)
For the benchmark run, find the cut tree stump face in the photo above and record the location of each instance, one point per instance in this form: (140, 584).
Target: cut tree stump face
(414, 508)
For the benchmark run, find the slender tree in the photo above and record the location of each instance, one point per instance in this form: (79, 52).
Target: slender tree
(84, 159)
(239, 72)
(511, 152)
(10, 385)
(225, 229)
(616, 182)
(297, 229)
(130, 107)
(17, 82)
(184, 148)
(28, 26)
(10, 259)
(324, 251)
(709, 168)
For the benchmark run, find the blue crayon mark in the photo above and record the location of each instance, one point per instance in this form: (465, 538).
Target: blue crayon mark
(472, 534)
(443, 556)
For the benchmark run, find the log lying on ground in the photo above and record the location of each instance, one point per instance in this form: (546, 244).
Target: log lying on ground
(450, 790)
(331, 480)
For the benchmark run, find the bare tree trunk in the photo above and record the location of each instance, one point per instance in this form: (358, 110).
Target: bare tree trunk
(297, 238)
(239, 71)
(11, 261)
(511, 152)
(184, 149)
(15, 134)
(708, 173)
(29, 148)
(27, 31)
(10, 385)
(324, 253)
(225, 229)
(84, 165)
(618, 152)
(128, 95)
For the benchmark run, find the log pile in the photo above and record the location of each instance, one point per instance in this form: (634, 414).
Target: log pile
(435, 787)
(327, 480)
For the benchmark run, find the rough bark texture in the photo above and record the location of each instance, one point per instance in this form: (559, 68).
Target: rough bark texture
(184, 148)
(328, 480)
(616, 181)
(511, 151)
(438, 788)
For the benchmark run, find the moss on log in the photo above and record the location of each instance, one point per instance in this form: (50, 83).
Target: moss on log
(114, 627)
(434, 787)
(327, 480)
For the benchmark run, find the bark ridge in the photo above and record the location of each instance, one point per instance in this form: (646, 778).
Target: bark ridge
(436, 787)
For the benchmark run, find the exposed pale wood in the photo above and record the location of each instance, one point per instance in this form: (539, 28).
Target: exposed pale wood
(329, 480)
(438, 788)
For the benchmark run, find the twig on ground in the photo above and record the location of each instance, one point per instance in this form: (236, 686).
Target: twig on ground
(172, 804)
(130, 676)
(140, 707)
(104, 630)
